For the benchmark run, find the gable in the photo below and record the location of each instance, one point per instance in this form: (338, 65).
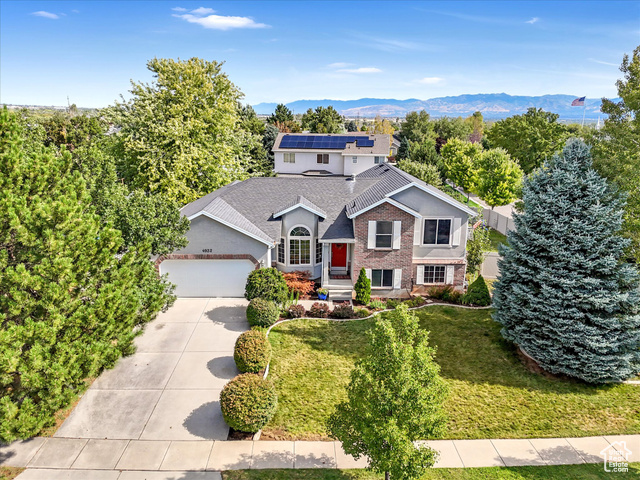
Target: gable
(426, 203)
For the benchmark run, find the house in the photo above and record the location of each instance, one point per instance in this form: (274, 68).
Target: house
(329, 154)
(404, 232)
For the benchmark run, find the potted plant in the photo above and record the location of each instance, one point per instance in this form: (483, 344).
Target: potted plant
(322, 293)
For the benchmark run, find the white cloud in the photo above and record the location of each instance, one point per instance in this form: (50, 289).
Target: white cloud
(361, 70)
(204, 16)
(42, 13)
(203, 11)
(179, 9)
(75, 11)
(430, 80)
(532, 21)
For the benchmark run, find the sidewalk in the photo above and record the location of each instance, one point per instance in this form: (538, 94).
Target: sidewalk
(70, 458)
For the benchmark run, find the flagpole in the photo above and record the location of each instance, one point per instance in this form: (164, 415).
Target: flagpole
(584, 111)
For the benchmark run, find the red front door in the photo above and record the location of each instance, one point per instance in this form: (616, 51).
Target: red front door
(339, 255)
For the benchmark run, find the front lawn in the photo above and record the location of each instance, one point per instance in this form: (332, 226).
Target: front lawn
(559, 472)
(492, 394)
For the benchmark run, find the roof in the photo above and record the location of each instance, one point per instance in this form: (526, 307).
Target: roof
(352, 143)
(255, 206)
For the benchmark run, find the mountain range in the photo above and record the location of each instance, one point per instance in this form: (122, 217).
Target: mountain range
(492, 106)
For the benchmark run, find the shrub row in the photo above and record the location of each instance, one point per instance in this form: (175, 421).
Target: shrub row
(262, 312)
(252, 351)
(477, 294)
(248, 402)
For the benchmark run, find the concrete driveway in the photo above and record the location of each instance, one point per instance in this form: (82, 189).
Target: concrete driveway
(170, 388)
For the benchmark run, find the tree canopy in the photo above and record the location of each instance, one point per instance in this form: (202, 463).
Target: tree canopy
(616, 147)
(460, 160)
(417, 127)
(323, 120)
(282, 114)
(499, 178)
(179, 135)
(565, 295)
(529, 138)
(446, 128)
(69, 302)
(395, 397)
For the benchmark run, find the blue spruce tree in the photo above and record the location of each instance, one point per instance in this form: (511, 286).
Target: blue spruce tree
(565, 296)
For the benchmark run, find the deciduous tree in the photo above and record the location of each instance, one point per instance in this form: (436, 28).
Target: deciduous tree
(179, 134)
(616, 150)
(323, 120)
(460, 160)
(499, 178)
(565, 295)
(529, 138)
(417, 127)
(446, 128)
(395, 397)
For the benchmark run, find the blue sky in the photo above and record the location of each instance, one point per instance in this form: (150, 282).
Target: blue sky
(284, 51)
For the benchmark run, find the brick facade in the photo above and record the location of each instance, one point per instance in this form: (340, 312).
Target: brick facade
(459, 269)
(204, 256)
(364, 257)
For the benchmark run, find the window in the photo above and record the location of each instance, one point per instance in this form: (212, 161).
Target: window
(289, 158)
(382, 278)
(437, 232)
(384, 234)
(299, 246)
(378, 159)
(355, 159)
(281, 251)
(434, 273)
(323, 158)
(318, 252)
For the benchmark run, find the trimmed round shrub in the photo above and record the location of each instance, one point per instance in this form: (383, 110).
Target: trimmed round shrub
(248, 402)
(477, 293)
(252, 351)
(267, 283)
(296, 311)
(262, 313)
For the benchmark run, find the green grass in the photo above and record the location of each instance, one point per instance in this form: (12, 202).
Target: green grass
(496, 239)
(449, 190)
(492, 394)
(9, 473)
(559, 472)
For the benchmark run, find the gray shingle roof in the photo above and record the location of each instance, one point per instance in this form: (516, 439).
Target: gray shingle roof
(299, 200)
(250, 205)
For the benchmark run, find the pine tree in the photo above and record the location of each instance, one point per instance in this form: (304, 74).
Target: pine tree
(69, 303)
(395, 398)
(564, 295)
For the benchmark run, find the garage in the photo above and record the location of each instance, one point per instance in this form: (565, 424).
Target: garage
(208, 278)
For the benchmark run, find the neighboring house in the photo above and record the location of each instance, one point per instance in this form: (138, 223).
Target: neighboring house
(404, 232)
(329, 154)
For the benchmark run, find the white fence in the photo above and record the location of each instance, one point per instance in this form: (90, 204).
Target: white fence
(497, 221)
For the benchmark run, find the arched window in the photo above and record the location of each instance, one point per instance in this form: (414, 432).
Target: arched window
(299, 246)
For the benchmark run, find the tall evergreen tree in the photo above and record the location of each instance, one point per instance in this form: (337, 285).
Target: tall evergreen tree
(69, 304)
(564, 294)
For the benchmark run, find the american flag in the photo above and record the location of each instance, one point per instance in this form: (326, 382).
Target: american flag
(578, 102)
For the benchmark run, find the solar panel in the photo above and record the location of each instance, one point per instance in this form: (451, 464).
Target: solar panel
(337, 142)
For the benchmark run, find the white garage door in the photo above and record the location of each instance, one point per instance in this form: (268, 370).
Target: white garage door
(208, 278)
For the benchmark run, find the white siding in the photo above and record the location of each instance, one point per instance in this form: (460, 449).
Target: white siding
(309, 161)
(365, 162)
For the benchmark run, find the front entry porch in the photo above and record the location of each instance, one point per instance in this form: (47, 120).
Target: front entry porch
(336, 270)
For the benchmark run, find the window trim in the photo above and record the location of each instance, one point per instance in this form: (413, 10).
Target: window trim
(444, 275)
(320, 247)
(354, 159)
(290, 155)
(300, 238)
(320, 158)
(375, 160)
(390, 235)
(424, 221)
(282, 250)
(382, 270)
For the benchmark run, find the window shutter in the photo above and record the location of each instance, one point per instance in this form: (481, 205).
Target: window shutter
(420, 275)
(397, 278)
(372, 234)
(367, 271)
(457, 231)
(449, 279)
(397, 232)
(417, 231)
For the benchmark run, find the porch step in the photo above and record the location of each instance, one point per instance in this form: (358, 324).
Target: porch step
(340, 295)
